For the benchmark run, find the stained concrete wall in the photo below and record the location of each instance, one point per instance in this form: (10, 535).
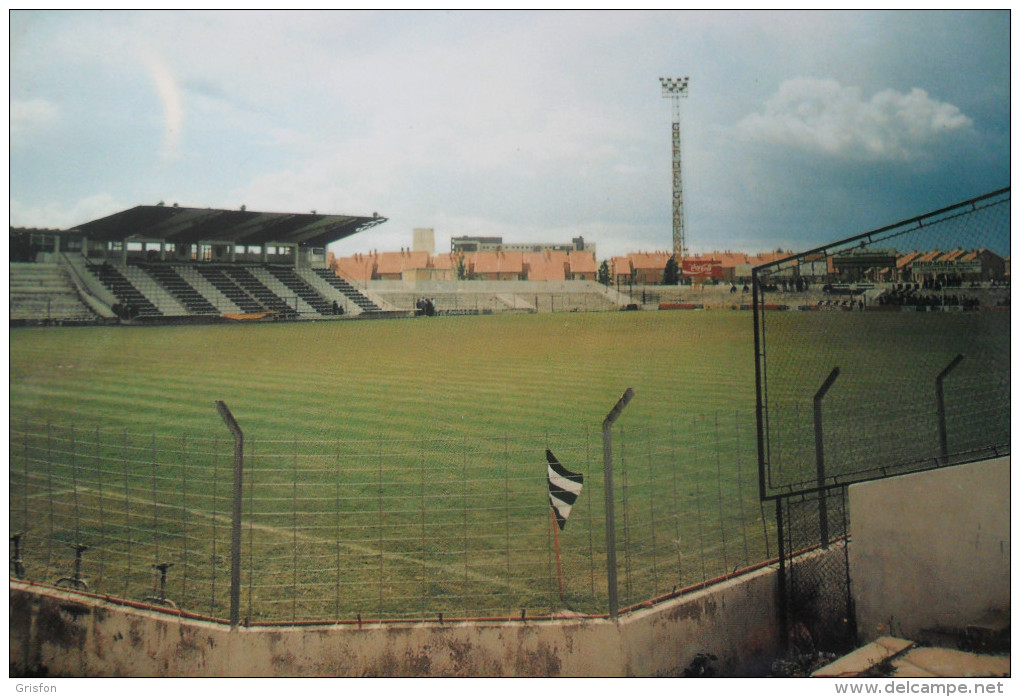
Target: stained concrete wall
(63, 634)
(930, 550)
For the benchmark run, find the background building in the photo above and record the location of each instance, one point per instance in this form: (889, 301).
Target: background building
(424, 240)
(496, 244)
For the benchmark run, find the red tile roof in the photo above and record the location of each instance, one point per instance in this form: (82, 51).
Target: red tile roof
(546, 266)
(648, 260)
(582, 262)
(498, 262)
(445, 261)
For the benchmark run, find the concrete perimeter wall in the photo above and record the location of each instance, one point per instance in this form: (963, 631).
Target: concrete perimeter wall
(56, 633)
(930, 550)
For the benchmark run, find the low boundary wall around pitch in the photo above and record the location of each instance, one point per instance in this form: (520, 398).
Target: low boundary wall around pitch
(729, 627)
(931, 550)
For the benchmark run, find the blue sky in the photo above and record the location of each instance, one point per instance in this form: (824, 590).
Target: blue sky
(800, 128)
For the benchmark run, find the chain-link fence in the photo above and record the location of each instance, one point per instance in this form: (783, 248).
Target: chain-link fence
(903, 365)
(904, 302)
(818, 605)
(337, 531)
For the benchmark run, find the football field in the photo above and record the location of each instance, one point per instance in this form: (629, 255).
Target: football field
(397, 469)
(441, 376)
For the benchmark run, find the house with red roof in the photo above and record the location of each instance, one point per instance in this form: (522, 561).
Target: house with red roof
(498, 266)
(620, 271)
(582, 266)
(545, 266)
(648, 267)
(359, 267)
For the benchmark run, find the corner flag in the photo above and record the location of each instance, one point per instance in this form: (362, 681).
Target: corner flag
(564, 488)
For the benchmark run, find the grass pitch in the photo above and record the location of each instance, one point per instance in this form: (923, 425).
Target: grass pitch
(396, 468)
(442, 376)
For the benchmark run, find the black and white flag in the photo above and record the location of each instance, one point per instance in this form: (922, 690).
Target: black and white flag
(564, 488)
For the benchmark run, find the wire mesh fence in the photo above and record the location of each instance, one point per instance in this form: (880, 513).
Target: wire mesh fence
(905, 302)
(818, 611)
(903, 366)
(337, 531)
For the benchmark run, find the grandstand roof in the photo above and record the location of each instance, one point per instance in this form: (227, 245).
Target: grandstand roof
(191, 225)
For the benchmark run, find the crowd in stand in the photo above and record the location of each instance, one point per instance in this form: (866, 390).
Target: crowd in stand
(927, 294)
(845, 304)
(799, 285)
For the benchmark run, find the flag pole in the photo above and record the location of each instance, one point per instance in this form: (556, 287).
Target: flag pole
(556, 538)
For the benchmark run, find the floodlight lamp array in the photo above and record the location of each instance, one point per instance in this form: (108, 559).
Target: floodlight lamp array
(674, 87)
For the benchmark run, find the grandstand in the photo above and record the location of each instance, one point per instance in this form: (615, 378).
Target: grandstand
(172, 264)
(45, 293)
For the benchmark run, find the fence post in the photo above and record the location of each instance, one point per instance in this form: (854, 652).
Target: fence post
(940, 405)
(607, 462)
(235, 517)
(823, 512)
(784, 633)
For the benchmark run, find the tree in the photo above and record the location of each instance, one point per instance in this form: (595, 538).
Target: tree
(671, 274)
(461, 270)
(603, 277)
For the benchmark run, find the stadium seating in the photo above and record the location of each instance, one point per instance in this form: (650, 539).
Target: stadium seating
(133, 301)
(359, 298)
(177, 291)
(43, 293)
(230, 289)
(287, 276)
(258, 290)
(153, 291)
(184, 292)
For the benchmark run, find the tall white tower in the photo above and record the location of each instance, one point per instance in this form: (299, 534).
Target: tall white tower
(424, 240)
(673, 88)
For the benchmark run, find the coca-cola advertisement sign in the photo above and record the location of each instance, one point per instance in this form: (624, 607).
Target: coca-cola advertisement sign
(702, 267)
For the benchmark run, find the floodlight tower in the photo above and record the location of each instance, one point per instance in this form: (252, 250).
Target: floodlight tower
(673, 88)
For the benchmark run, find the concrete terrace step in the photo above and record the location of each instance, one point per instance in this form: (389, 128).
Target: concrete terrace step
(890, 657)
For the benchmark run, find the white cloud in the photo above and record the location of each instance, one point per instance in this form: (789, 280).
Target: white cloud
(31, 117)
(823, 116)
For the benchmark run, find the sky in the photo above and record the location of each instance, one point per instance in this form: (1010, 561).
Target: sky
(799, 128)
